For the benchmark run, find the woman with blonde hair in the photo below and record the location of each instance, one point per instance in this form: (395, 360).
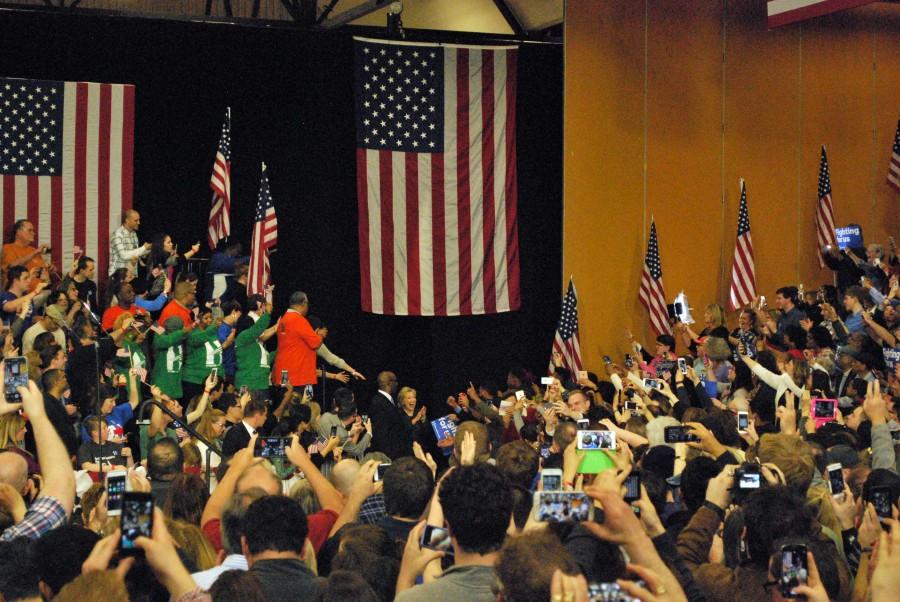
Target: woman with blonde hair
(212, 428)
(12, 439)
(412, 419)
(713, 319)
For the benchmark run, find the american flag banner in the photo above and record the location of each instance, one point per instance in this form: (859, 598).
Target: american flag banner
(566, 340)
(782, 12)
(436, 178)
(66, 151)
(652, 293)
(893, 177)
(265, 237)
(220, 182)
(743, 271)
(825, 234)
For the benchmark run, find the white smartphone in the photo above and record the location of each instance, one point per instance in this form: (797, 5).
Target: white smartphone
(520, 395)
(743, 421)
(562, 506)
(593, 440)
(116, 484)
(546, 380)
(551, 479)
(835, 478)
(582, 375)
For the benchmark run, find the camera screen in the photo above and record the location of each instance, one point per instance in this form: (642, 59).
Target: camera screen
(16, 376)
(748, 480)
(824, 408)
(743, 421)
(563, 506)
(436, 538)
(633, 487)
(272, 447)
(793, 567)
(596, 440)
(678, 434)
(836, 481)
(551, 482)
(610, 592)
(137, 519)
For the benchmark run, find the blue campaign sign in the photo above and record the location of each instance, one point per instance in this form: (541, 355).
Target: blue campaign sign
(891, 358)
(849, 236)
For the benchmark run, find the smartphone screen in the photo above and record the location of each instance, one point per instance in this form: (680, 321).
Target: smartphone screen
(271, 447)
(595, 440)
(678, 434)
(284, 378)
(651, 383)
(631, 405)
(243, 390)
(137, 520)
(881, 498)
(115, 489)
(551, 480)
(743, 421)
(380, 471)
(334, 431)
(629, 362)
(682, 365)
(583, 424)
(16, 376)
(824, 408)
(546, 380)
(835, 479)
(748, 478)
(215, 372)
(633, 487)
(562, 506)
(436, 538)
(793, 568)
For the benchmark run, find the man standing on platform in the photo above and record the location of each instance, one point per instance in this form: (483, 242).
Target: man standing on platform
(124, 250)
(297, 344)
(388, 428)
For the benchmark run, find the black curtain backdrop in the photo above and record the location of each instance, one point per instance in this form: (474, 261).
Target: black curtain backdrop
(291, 97)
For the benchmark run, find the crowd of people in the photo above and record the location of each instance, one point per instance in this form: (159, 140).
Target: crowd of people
(163, 441)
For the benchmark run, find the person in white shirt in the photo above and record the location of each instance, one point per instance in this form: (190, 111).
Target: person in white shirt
(49, 322)
(124, 249)
(232, 521)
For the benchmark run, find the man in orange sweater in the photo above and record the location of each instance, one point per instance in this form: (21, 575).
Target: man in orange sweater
(297, 344)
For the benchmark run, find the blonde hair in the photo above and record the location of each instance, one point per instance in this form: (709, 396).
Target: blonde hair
(207, 420)
(10, 425)
(190, 538)
(403, 392)
(96, 585)
(792, 455)
(717, 314)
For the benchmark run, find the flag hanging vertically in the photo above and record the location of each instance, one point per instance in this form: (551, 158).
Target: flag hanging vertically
(652, 293)
(220, 182)
(265, 237)
(66, 151)
(566, 340)
(825, 234)
(743, 271)
(436, 178)
(893, 177)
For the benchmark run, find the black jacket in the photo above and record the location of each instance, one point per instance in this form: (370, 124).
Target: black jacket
(390, 433)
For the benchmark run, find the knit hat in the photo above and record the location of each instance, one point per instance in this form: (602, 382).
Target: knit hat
(55, 313)
(173, 323)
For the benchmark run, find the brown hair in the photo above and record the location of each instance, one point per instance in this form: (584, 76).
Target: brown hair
(527, 562)
(186, 498)
(519, 462)
(792, 455)
(482, 442)
(191, 540)
(96, 585)
(10, 424)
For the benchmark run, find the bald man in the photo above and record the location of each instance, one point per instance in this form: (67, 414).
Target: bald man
(389, 430)
(124, 249)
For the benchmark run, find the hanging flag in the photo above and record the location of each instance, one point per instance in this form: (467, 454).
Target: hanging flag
(652, 293)
(782, 12)
(893, 177)
(743, 271)
(66, 151)
(265, 237)
(220, 182)
(825, 210)
(436, 178)
(566, 340)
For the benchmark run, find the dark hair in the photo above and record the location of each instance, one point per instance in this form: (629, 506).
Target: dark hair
(477, 505)
(83, 261)
(372, 553)
(763, 403)
(186, 498)
(59, 554)
(694, 478)
(233, 518)
(519, 462)
(275, 523)
(857, 292)
(237, 586)
(408, 485)
(526, 565)
(302, 413)
(347, 585)
(227, 400)
(14, 273)
(344, 404)
(51, 377)
(94, 423)
(48, 354)
(788, 292)
(490, 386)
(255, 407)
(522, 505)
(17, 225)
(667, 340)
(771, 513)
(821, 337)
(164, 458)
(19, 577)
(229, 307)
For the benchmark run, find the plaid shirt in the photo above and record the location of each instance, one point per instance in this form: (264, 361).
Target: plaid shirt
(44, 515)
(372, 509)
(123, 247)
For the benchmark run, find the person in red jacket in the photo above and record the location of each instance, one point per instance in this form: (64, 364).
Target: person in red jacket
(297, 344)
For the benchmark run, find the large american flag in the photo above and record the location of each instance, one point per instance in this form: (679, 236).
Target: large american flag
(825, 234)
(652, 293)
(220, 182)
(265, 236)
(436, 178)
(66, 151)
(566, 340)
(743, 271)
(782, 12)
(893, 177)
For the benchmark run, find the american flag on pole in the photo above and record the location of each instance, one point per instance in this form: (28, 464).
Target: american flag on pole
(220, 182)
(743, 272)
(436, 178)
(652, 293)
(265, 237)
(66, 151)
(782, 12)
(566, 340)
(825, 234)
(893, 177)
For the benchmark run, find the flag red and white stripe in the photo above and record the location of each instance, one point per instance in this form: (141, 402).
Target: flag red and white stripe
(652, 293)
(81, 203)
(436, 179)
(743, 271)
(782, 12)
(265, 237)
(220, 182)
(566, 341)
(893, 177)
(825, 234)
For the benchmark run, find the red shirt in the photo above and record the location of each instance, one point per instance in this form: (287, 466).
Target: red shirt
(297, 344)
(174, 308)
(112, 314)
(320, 525)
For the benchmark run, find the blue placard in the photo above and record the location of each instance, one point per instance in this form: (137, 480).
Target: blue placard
(891, 358)
(849, 236)
(443, 428)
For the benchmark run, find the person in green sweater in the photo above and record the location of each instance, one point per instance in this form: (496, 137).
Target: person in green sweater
(202, 355)
(169, 357)
(131, 351)
(254, 362)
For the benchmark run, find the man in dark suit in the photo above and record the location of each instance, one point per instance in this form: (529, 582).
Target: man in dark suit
(238, 436)
(388, 428)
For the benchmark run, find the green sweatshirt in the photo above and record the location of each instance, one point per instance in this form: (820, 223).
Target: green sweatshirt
(254, 363)
(136, 357)
(203, 352)
(169, 362)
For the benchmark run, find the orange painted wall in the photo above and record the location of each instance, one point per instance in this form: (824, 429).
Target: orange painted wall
(668, 103)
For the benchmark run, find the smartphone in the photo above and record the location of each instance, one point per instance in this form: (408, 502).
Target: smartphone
(824, 408)
(334, 431)
(137, 520)
(743, 421)
(272, 447)
(16, 375)
(682, 365)
(607, 360)
(588, 440)
(610, 592)
(835, 478)
(583, 424)
(562, 506)
(582, 375)
(652, 383)
(364, 418)
(631, 405)
(244, 390)
(308, 390)
(883, 500)
(115, 488)
(633, 487)
(551, 479)
(678, 434)
(379, 472)
(215, 372)
(629, 362)
(436, 538)
(284, 378)
(520, 395)
(793, 568)
(546, 380)
(762, 301)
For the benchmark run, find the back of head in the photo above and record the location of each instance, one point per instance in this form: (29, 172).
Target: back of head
(347, 585)
(771, 513)
(694, 478)
(275, 523)
(526, 565)
(96, 585)
(13, 470)
(792, 455)
(164, 459)
(186, 498)
(519, 462)
(408, 485)
(477, 504)
(19, 577)
(59, 554)
(564, 435)
(297, 298)
(482, 441)
(372, 553)
(233, 518)
(343, 474)
(523, 501)
(344, 403)
(255, 407)
(238, 586)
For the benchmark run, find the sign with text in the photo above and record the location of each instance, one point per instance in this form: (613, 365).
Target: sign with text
(849, 236)
(891, 358)
(444, 428)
